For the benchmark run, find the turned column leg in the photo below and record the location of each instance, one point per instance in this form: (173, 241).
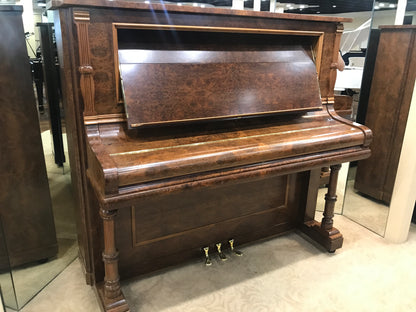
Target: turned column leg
(110, 292)
(110, 255)
(324, 232)
(330, 199)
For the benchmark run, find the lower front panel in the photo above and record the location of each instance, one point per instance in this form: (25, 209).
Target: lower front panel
(165, 230)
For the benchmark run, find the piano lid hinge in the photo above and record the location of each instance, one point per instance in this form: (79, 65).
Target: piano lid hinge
(328, 100)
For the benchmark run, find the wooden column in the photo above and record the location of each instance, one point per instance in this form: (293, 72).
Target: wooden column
(110, 291)
(330, 198)
(323, 232)
(110, 255)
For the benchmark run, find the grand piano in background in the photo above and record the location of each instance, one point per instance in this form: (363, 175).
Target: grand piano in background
(190, 127)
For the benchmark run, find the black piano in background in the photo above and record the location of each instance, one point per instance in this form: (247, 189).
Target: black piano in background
(49, 70)
(37, 77)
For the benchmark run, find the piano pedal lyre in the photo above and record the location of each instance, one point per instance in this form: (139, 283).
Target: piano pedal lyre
(220, 253)
(237, 252)
(207, 258)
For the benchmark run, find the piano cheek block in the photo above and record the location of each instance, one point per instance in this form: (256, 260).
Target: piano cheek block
(190, 148)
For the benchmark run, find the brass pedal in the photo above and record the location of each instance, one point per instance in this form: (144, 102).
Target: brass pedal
(220, 253)
(207, 258)
(237, 252)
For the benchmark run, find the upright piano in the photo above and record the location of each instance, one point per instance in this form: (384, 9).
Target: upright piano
(189, 128)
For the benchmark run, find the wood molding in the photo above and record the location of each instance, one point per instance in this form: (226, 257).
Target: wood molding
(317, 52)
(217, 29)
(335, 52)
(104, 119)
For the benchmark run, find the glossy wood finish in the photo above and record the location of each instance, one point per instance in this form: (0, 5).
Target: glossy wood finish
(387, 111)
(239, 144)
(103, 61)
(325, 233)
(25, 202)
(153, 196)
(174, 8)
(343, 106)
(260, 64)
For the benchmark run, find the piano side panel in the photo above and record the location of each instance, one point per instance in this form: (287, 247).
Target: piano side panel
(67, 45)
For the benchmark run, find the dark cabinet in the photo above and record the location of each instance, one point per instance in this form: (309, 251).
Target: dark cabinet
(25, 202)
(387, 110)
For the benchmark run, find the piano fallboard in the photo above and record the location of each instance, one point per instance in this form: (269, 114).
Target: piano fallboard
(134, 157)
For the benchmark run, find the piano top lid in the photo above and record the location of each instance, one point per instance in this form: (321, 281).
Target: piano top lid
(125, 4)
(166, 86)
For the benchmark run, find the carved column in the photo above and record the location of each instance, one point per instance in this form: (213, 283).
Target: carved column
(82, 20)
(330, 199)
(110, 294)
(110, 255)
(324, 232)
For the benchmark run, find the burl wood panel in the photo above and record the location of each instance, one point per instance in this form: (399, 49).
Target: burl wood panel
(25, 202)
(104, 63)
(388, 107)
(142, 156)
(343, 106)
(168, 86)
(160, 216)
(173, 227)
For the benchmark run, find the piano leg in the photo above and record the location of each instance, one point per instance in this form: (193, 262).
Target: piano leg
(330, 199)
(110, 294)
(324, 233)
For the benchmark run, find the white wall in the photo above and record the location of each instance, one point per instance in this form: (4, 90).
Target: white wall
(30, 19)
(404, 192)
(28, 23)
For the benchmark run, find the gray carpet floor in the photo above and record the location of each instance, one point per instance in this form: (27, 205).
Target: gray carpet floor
(287, 273)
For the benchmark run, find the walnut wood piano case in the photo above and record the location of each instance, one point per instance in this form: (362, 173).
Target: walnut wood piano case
(190, 127)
